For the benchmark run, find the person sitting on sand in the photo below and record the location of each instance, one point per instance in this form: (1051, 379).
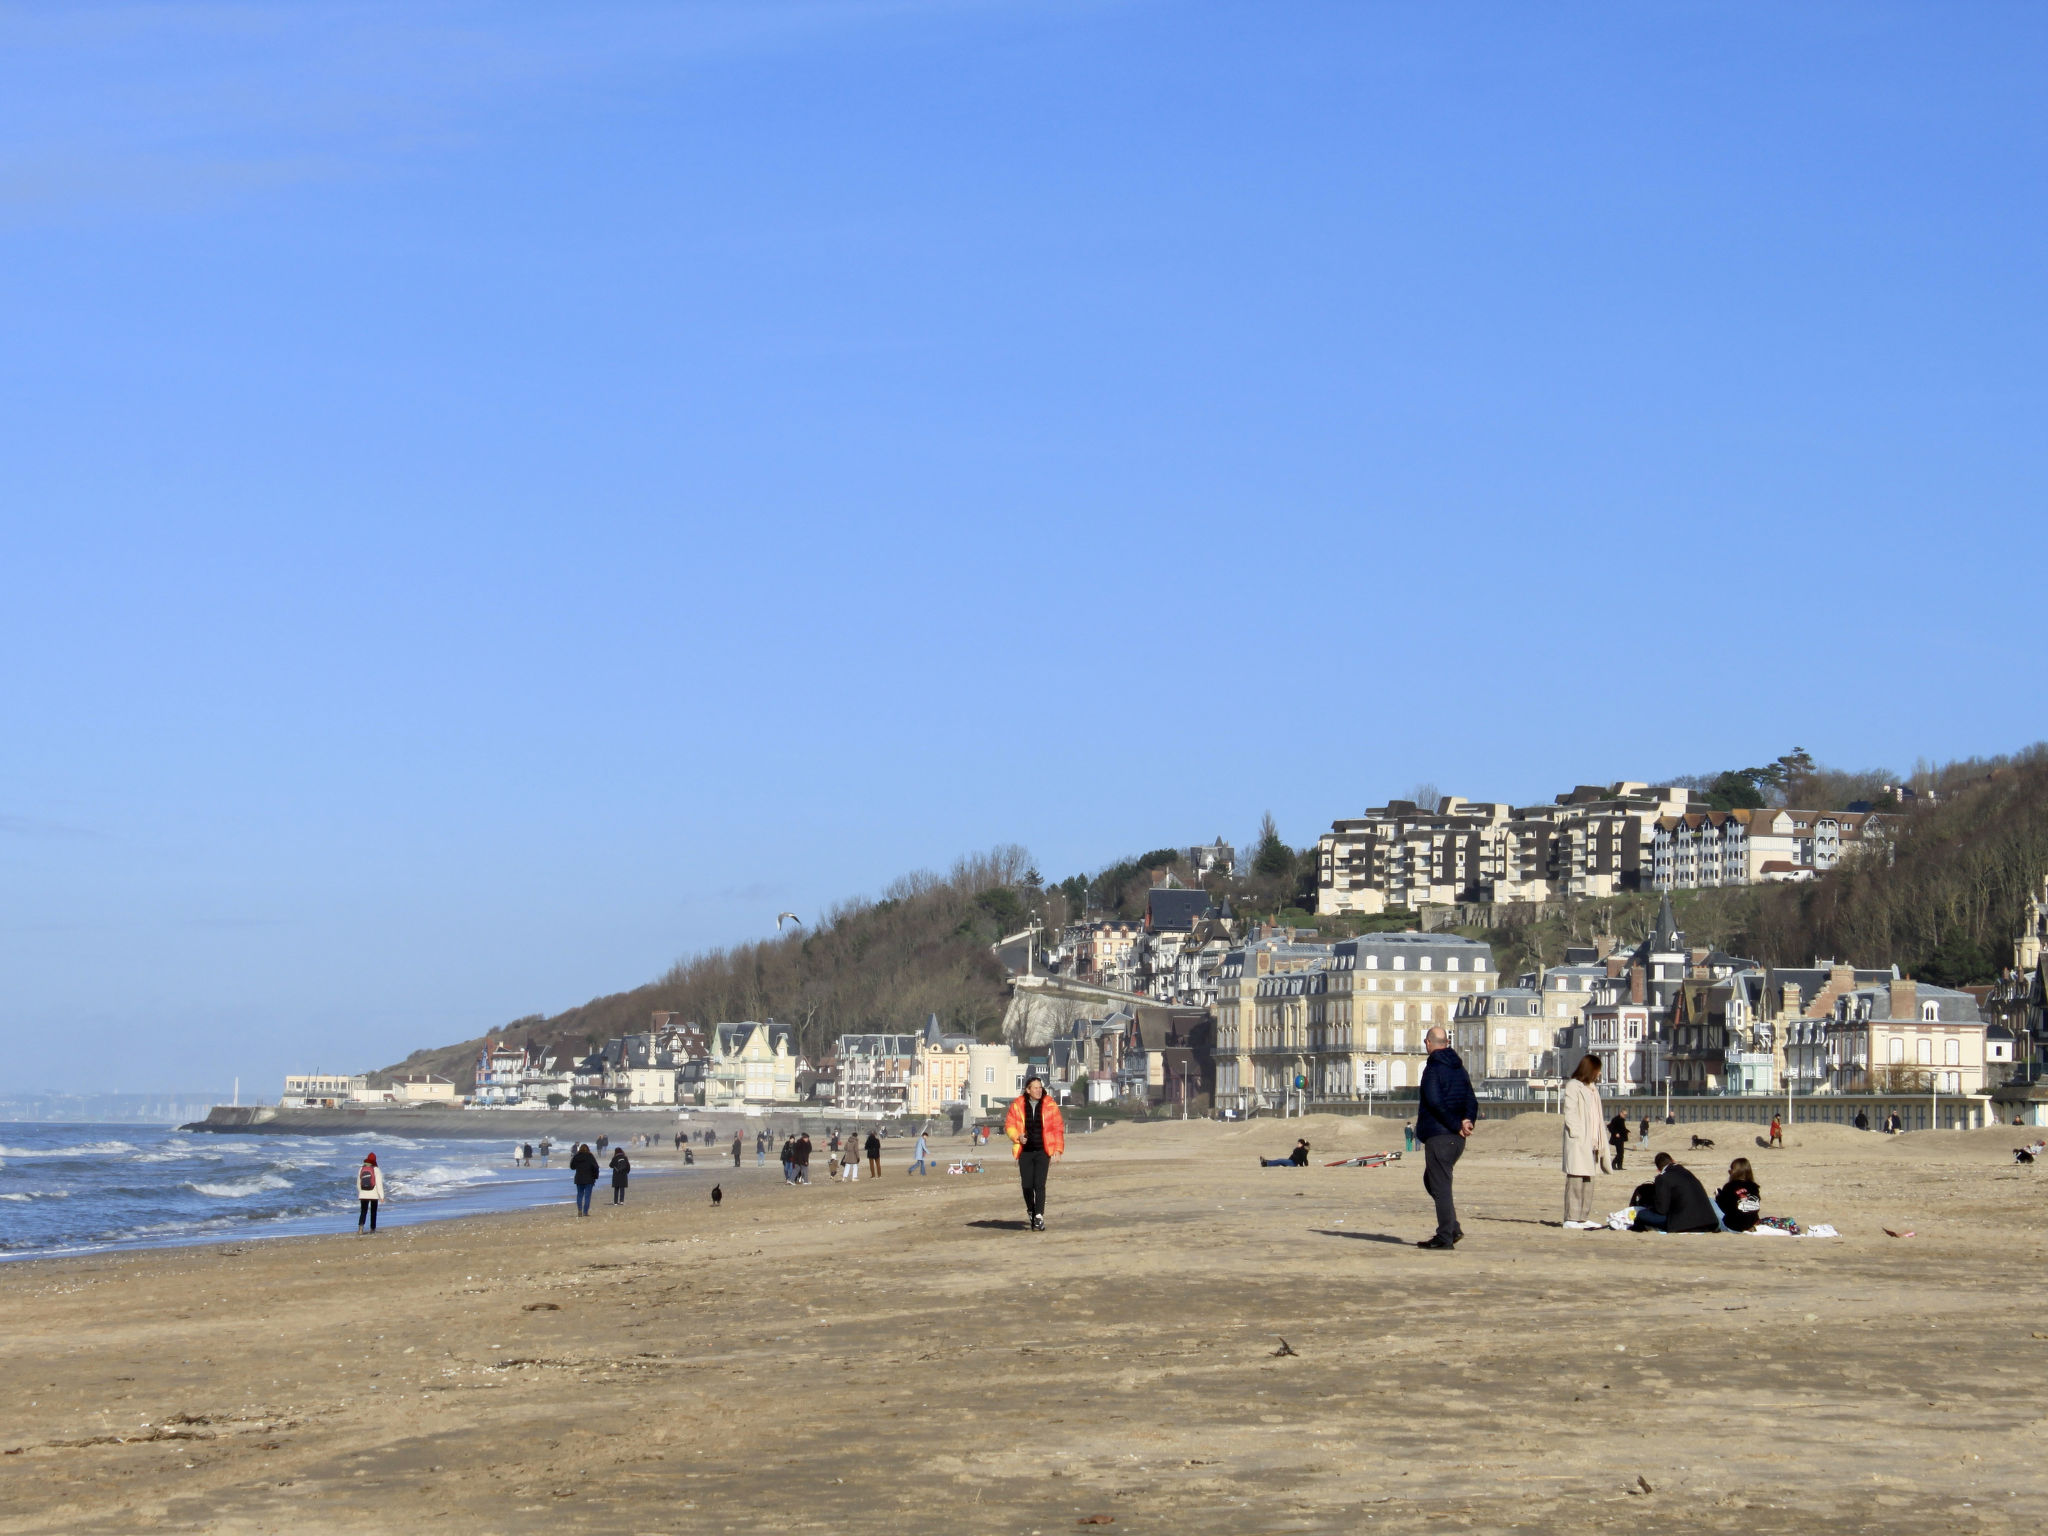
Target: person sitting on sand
(1298, 1158)
(1677, 1201)
(1740, 1199)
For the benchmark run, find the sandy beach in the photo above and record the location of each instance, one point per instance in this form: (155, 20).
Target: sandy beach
(900, 1355)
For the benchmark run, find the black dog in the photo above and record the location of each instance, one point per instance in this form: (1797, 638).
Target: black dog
(2022, 1155)
(717, 1195)
(1699, 1142)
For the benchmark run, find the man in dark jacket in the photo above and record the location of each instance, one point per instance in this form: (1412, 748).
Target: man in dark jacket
(873, 1149)
(1443, 1119)
(583, 1164)
(1678, 1202)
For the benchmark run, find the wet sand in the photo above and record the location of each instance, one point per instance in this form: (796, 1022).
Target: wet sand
(901, 1356)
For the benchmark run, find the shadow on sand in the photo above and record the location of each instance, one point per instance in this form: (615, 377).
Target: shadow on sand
(1001, 1226)
(1363, 1237)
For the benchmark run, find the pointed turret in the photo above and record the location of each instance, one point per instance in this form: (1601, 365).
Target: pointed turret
(1666, 939)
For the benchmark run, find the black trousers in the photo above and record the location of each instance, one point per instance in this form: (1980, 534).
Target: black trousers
(1440, 1155)
(618, 1194)
(366, 1210)
(1032, 1168)
(1620, 1149)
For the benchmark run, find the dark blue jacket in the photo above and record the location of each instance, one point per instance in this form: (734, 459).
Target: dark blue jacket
(1447, 1097)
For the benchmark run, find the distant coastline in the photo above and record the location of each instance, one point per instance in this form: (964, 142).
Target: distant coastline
(491, 1124)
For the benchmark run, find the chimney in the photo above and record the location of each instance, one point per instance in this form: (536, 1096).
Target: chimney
(1792, 1001)
(1615, 966)
(1637, 992)
(1603, 946)
(1905, 999)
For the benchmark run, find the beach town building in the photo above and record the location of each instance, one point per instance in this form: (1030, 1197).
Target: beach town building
(1698, 850)
(1267, 952)
(1594, 841)
(1503, 1034)
(1085, 1056)
(1796, 845)
(995, 1076)
(1168, 1058)
(1906, 1036)
(501, 1070)
(1619, 1026)
(939, 1070)
(320, 1090)
(1343, 1021)
(1104, 951)
(752, 1065)
(423, 1088)
(874, 1073)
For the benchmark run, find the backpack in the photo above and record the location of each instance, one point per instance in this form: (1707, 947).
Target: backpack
(366, 1180)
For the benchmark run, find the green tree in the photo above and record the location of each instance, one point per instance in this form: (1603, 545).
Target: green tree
(1275, 859)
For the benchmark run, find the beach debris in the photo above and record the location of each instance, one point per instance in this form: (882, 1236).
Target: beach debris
(1096, 1520)
(1285, 1349)
(1888, 1232)
(535, 1306)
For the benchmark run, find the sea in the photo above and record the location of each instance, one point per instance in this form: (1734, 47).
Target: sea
(81, 1188)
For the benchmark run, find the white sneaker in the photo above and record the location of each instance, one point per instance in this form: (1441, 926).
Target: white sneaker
(1577, 1226)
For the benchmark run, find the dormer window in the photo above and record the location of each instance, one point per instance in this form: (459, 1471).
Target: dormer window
(1930, 1013)
(1400, 962)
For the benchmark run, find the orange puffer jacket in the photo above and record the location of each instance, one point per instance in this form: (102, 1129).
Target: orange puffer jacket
(1050, 1122)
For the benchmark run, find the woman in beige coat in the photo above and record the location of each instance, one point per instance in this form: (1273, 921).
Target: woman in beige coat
(1585, 1142)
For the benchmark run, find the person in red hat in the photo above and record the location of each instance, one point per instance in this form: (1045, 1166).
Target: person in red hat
(369, 1193)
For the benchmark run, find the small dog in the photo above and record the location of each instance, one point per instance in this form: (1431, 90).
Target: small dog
(717, 1196)
(2022, 1155)
(1703, 1143)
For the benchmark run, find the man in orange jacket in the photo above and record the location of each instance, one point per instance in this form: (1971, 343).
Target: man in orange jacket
(1038, 1135)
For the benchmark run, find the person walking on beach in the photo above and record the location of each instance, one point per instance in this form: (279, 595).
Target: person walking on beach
(1617, 1138)
(1038, 1139)
(1645, 1137)
(583, 1164)
(1585, 1143)
(1444, 1114)
(369, 1193)
(800, 1154)
(621, 1166)
(873, 1148)
(761, 1149)
(1777, 1132)
(918, 1165)
(739, 1146)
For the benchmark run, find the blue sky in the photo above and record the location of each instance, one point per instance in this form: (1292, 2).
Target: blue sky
(495, 498)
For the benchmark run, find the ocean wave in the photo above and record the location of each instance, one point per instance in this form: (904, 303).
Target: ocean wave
(437, 1178)
(242, 1189)
(85, 1149)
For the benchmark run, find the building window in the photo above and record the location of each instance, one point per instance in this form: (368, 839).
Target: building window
(1953, 1052)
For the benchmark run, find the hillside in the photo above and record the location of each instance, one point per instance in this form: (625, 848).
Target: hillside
(886, 964)
(1944, 905)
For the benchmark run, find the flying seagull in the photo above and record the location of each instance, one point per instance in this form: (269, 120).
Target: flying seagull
(791, 916)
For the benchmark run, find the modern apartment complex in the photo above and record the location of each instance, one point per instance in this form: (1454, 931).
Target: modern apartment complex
(1591, 842)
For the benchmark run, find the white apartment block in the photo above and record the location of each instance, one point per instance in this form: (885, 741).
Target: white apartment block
(1591, 842)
